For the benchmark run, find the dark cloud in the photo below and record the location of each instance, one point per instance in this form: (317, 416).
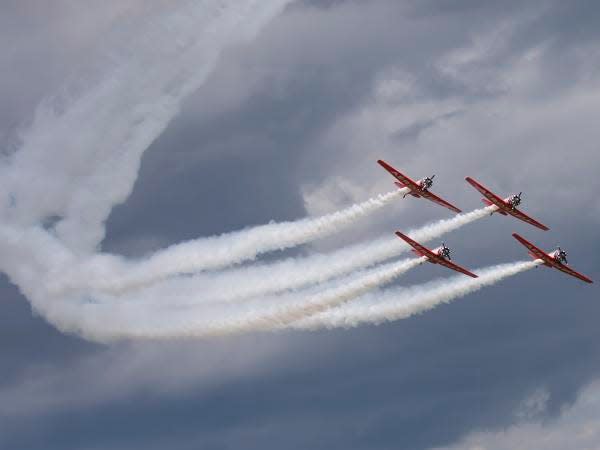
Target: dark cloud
(286, 112)
(28, 342)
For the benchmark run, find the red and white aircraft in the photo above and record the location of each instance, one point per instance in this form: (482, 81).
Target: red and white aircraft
(417, 188)
(556, 259)
(507, 205)
(440, 255)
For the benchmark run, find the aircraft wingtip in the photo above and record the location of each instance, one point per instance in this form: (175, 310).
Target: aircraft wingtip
(401, 235)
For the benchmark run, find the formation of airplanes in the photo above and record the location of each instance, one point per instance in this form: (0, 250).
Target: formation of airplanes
(556, 259)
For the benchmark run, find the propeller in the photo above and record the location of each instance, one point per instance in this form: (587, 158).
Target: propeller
(562, 254)
(427, 182)
(516, 199)
(446, 251)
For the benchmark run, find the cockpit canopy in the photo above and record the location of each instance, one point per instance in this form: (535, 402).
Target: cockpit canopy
(515, 200)
(427, 182)
(561, 256)
(444, 252)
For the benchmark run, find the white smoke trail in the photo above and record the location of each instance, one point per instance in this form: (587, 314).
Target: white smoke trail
(70, 315)
(77, 163)
(114, 274)
(441, 227)
(242, 246)
(302, 310)
(139, 320)
(401, 303)
(81, 154)
(79, 159)
(27, 256)
(102, 322)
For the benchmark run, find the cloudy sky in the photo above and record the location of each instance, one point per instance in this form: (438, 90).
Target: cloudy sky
(245, 113)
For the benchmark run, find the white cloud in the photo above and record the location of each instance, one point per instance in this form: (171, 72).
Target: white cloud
(162, 369)
(328, 196)
(514, 139)
(576, 428)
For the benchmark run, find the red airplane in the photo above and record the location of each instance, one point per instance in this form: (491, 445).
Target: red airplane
(417, 188)
(440, 255)
(556, 259)
(505, 206)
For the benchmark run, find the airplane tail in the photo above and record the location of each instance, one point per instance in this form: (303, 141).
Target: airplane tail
(534, 252)
(486, 202)
(535, 257)
(402, 186)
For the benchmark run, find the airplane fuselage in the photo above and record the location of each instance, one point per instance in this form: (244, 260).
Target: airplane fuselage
(424, 185)
(555, 256)
(438, 251)
(509, 203)
(559, 257)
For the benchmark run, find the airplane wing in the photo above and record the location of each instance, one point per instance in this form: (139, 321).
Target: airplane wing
(572, 272)
(434, 258)
(538, 253)
(487, 193)
(416, 188)
(535, 251)
(399, 176)
(525, 218)
(434, 198)
(451, 265)
(500, 203)
(423, 251)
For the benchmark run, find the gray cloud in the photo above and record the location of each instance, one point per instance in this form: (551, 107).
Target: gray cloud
(575, 428)
(309, 101)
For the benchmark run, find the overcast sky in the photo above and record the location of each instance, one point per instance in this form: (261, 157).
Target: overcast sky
(290, 123)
